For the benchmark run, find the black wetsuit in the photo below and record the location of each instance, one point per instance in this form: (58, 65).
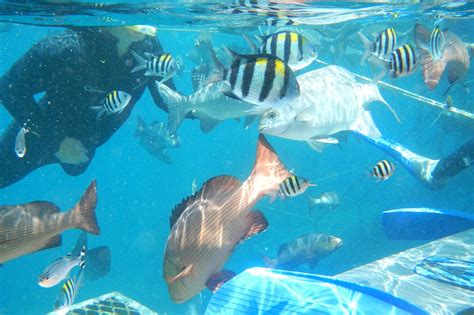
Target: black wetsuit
(75, 70)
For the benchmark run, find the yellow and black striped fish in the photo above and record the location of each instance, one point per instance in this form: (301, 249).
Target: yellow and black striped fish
(383, 170)
(114, 103)
(403, 61)
(260, 79)
(293, 186)
(291, 47)
(68, 292)
(162, 65)
(437, 43)
(385, 43)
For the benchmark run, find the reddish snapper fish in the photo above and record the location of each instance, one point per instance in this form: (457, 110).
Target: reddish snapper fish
(208, 225)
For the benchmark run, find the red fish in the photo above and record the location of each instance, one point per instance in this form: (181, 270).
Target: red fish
(207, 226)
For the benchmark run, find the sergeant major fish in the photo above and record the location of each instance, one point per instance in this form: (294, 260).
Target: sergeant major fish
(59, 269)
(263, 80)
(382, 47)
(37, 225)
(293, 186)
(67, 294)
(383, 170)
(291, 47)
(306, 249)
(207, 226)
(162, 65)
(156, 139)
(114, 103)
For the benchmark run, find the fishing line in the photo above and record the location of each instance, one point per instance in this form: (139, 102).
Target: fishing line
(287, 213)
(412, 95)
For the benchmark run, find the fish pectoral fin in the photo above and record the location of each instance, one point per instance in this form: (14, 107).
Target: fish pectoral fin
(218, 279)
(328, 140)
(316, 145)
(230, 94)
(257, 223)
(207, 124)
(186, 272)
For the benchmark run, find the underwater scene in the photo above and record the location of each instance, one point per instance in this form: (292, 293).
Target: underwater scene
(236, 157)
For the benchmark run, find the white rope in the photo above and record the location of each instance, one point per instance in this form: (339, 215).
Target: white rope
(420, 98)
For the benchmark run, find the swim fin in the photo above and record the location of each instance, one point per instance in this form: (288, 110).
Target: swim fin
(452, 271)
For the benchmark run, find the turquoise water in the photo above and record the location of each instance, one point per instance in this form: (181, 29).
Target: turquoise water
(137, 192)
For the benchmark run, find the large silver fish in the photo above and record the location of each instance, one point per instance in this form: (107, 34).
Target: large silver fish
(37, 225)
(208, 104)
(307, 249)
(331, 101)
(156, 139)
(207, 226)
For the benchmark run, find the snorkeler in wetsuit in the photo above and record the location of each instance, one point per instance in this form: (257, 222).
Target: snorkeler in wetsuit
(51, 89)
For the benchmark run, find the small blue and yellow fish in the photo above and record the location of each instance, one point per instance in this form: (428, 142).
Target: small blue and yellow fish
(59, 269)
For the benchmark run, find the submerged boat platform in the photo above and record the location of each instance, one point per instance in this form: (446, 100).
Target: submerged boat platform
(111, 303)
(395, 275)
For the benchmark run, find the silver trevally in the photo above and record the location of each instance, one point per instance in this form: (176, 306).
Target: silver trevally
(331, 101)
(208, 104)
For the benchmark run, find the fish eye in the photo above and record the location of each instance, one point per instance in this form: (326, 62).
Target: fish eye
(272, 115)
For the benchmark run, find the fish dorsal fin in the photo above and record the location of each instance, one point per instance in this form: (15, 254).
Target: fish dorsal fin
(257, 223)
(186, 272)
(219, 186)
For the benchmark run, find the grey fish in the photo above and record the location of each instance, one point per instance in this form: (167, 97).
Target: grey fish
(59, 269)
(37, 225)
(156, 139)
(328, 199)
(309, 248)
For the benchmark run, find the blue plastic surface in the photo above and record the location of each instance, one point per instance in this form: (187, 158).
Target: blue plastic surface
(424, 223)
(268, 291)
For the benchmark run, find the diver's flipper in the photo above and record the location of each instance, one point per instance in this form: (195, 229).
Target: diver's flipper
(452, 271)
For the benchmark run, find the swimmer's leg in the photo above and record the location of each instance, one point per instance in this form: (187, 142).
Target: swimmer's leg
(14, 168)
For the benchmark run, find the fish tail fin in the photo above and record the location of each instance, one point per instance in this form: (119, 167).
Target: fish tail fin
(217, 69)
(365, 125)
(140, 127)
(178, 106)
(375, 95)
(268, 171)
(83, 214)
(366, 42)
(141, 62)
(98, 263)
(271, 263)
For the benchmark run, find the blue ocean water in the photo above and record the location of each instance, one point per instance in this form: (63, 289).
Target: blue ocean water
(137, 192)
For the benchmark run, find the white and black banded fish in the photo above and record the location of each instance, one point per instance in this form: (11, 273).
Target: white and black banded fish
(293, 186)
(162, 65)
(262, 79)
(114, 103)
(291, 47)
(403, 61)
(437, 43)
(20, 142)
(69, 290)
(382, 47)
(383, 170)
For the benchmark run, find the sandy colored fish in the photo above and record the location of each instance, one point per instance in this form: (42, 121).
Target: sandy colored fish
(156, 139)
(331, 101)
(208, 104)
(329, 199)
(207, 226)
(307, 249)
(454, 60)
(37, 225)
(72, 151)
